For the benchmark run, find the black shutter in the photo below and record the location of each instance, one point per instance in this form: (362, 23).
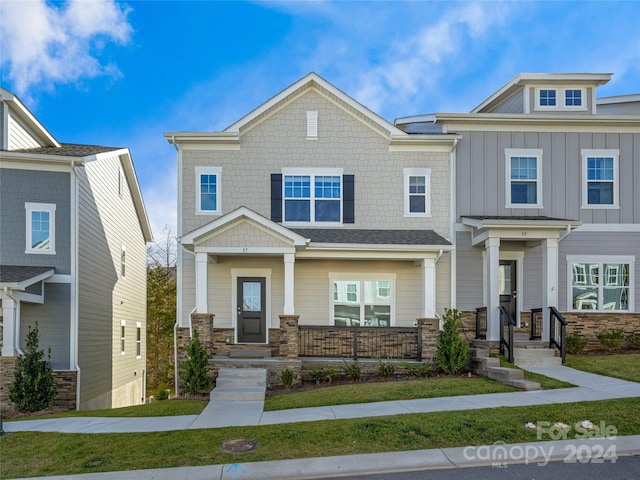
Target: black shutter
(276, 197)
(348, 203)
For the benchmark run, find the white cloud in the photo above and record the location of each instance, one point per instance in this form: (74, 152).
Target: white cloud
(43, 44)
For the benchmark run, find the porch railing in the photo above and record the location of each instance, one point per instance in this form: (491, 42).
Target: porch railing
(535, 332)
(359, 342)
(481, 323)
(506, 339)
(557, 332)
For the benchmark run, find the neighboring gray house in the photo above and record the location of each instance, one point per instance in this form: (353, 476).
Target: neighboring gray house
(546, 201)
(73, 233)
(315, 207)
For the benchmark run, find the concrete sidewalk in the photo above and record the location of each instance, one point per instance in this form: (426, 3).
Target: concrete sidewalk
(225, 414)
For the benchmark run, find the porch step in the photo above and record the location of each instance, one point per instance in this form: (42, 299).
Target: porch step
(257, 353)
(527, 385)
(503, 374)
(520, 337)
(535, 357)
(240, 384)
(482, 364)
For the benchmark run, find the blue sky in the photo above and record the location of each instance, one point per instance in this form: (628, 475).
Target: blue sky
(121, 73)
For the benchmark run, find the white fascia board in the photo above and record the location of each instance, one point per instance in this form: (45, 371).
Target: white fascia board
(210, 140)
(310, 80)
(423, 143)
(350, 247)
(189, 238)
(239, 251)
(366, 255)
(426, 117)
(519, 223)
(35, 158)
(28, 282)
(27, 117)
(634, 97)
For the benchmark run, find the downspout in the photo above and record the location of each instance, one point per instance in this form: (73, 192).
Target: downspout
(16, 321)
(566, 234)
(74, 279)
(453, 209)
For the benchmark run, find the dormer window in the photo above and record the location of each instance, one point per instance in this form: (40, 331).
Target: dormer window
(557, 99)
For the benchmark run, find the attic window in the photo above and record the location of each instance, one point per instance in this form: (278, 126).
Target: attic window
(312, 125)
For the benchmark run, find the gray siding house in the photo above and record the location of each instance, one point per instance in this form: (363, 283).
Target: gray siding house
(547, 210)
(73, 233)
(315, 207)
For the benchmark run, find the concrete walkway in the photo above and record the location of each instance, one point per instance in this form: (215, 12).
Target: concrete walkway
(589, 387)
(237, 413)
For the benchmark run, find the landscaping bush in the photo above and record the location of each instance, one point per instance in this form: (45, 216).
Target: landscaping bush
(34, 386)
(451, 354)
(386, 369)
(286, 377)
(633, 339)
(194, 368)
(611, 338)
(424, 369)
(576, 343)
(321, 374)
(354, 370)
(162, 393)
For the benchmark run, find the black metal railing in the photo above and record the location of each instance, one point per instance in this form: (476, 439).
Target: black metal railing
(481, 323)
(506, 337)
(557, 332)
(359, 342)
(535, 332)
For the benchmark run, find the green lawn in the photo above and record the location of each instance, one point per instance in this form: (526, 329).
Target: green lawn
(626, 367)
(385, 391)
(28, 454)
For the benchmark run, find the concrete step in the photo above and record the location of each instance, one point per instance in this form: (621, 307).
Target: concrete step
(520, 337)
(537, 362)
(502, 374)
(535, 357)
(534, 352)
(237, 394)
(252, 373)
(481, 365)
(230, 381)
(257, 353)
(523, 384)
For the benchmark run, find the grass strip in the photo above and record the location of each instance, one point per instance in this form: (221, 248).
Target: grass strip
(27, 454)
(385, 391)
(625, 367)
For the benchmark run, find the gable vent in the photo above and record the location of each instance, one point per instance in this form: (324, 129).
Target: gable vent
(312, 124)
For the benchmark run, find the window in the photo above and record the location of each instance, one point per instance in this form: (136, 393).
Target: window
(123, 326)
(417, 192)
(138, 340)
(208, 190)
(40, 231)
(363, 302)
(560, 98)
(600, 283)
(524, 182)
(600, 178)
(123, 261)
(312, 196)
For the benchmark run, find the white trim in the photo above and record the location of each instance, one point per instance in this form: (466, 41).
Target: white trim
(250, 272)
(508, 255)
(50, 208)
(536, 153)
(359, 279)
(138, 342)
(601, 259)
(609, 227)
(217, 172)
(417, 172)
(123, 337)
(613, 153)
(561, 99)
(123, 262)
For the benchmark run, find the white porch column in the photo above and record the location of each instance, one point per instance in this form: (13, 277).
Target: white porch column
(9, 312)
(492, 247)
(429, 288)
(202, 286)
(549, 282)
(289, 261)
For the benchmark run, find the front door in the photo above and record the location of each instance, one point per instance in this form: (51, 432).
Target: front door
(507, 287)
(252, 306)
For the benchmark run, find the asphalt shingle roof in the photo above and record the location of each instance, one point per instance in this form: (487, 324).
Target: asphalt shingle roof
(68, 150)
(516, 218)
(17, 274)
(371, 237)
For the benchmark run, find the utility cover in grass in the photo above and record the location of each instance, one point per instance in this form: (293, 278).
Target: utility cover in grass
(239, 445)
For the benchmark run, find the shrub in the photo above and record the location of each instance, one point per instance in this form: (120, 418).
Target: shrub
(423, 369)
(162, 393)
(634, 339)
(194, 368)
(576, 343)
(286, 377)
(611, 338)
(386, 369)
(317, 374)
(354, 370)
(34, 386)
(451, 354)
(330, 372)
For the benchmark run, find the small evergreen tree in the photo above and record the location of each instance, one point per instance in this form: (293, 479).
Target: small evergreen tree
(194, 368)
(34, 386)
(451, 354)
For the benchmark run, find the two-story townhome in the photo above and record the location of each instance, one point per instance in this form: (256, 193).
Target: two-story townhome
(547, 210)
(315, 207)
(73, 233)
